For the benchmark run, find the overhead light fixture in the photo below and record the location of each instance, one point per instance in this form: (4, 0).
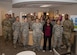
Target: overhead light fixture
(62, 14)
(45, 5)
(47, 13)
(31, 13)
(25, 14)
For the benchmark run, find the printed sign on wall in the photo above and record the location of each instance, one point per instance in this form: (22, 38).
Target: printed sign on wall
(74, 19)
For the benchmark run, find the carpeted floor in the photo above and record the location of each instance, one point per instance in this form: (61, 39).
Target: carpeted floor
(8, 49)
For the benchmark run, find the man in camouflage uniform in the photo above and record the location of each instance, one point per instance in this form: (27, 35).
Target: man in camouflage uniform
(16, 31)
(11, 21)
(67, 28)
(25, 32)
(13, 17)
(6, 24)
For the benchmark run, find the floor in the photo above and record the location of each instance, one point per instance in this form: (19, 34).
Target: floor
(8, 49)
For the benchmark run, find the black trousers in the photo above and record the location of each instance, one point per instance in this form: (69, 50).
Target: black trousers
(45, 42)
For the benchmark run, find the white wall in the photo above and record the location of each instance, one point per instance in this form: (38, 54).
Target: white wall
(29, 10)
(69, 9)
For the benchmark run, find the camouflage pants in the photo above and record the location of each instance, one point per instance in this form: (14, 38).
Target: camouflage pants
(25, 38)
(66, 39)
(7, 34)
(37, 40)
(57, 41)
(16, 36)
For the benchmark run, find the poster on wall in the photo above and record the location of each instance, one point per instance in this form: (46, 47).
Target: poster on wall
(74, 19)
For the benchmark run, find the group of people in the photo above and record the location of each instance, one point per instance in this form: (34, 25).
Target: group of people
(14, 30)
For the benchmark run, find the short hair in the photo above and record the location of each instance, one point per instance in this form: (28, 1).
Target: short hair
(36, 19)
(17, 16)
(66, 15)
(6, 14)
(57, 20)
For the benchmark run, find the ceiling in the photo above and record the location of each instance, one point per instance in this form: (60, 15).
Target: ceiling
(5, 0)
(37, 4)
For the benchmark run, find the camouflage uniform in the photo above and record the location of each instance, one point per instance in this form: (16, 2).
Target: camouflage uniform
(12, 21)
(57, 32)
(25, 32)
(42, 22)
(31, 23)
(37, 34)
(16, 31)
(67, 28)
(6, 29)
(53, 22)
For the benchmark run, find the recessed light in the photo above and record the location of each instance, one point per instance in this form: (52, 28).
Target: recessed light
(45, 5)
(31, 13)
(62, 14)
(25, 14)
(47, 13)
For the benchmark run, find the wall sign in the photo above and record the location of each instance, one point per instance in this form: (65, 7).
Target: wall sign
(74, 19)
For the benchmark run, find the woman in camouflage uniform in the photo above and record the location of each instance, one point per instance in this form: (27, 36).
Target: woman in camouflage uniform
(57, 32)
(25, 31)
(37, 34)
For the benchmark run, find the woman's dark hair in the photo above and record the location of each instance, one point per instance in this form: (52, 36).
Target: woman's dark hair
(47, 19)
(46, 22)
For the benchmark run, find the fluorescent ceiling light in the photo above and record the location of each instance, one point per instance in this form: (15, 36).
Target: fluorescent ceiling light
(45, 5)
